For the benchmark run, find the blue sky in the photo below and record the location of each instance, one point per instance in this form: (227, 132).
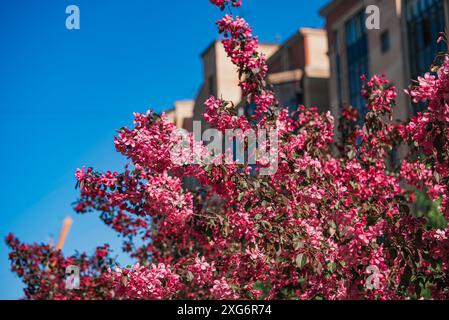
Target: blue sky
(63, 93)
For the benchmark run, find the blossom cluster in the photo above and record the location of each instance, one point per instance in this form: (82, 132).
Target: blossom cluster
(241, 47)
(222, 3)
(428, 131)
(139, 282)
(221, 115)
(315, 229)
(380, 95)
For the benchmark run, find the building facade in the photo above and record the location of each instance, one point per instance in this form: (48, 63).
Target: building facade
(299, 71)
(403, 48)
(182, 114)
(220, 77)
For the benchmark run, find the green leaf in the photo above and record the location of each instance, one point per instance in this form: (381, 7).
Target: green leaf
(267, 225)
(332, 266)
(301, 260)
(301, 280)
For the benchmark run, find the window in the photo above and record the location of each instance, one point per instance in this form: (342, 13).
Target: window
(250, 109)
(290, 58)
(289, 94)
(338, 68)
(357, 58)
(425, 20)
(426, 33)
(385, 41)
(211, 86)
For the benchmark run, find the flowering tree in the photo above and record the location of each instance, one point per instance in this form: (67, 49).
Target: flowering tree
(330, 223)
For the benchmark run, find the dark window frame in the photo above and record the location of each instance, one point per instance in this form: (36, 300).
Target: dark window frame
(339, 73)
(385, 41)
(424, 20)
(357, 56)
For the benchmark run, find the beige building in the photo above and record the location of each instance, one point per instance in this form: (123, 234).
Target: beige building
(220, 77)
(402, 48)
(299, 71)
(182, 114)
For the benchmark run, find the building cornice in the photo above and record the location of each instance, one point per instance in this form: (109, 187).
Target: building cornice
(285, 76)
(330, 7)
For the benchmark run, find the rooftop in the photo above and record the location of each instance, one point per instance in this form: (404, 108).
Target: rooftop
(329, 7)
